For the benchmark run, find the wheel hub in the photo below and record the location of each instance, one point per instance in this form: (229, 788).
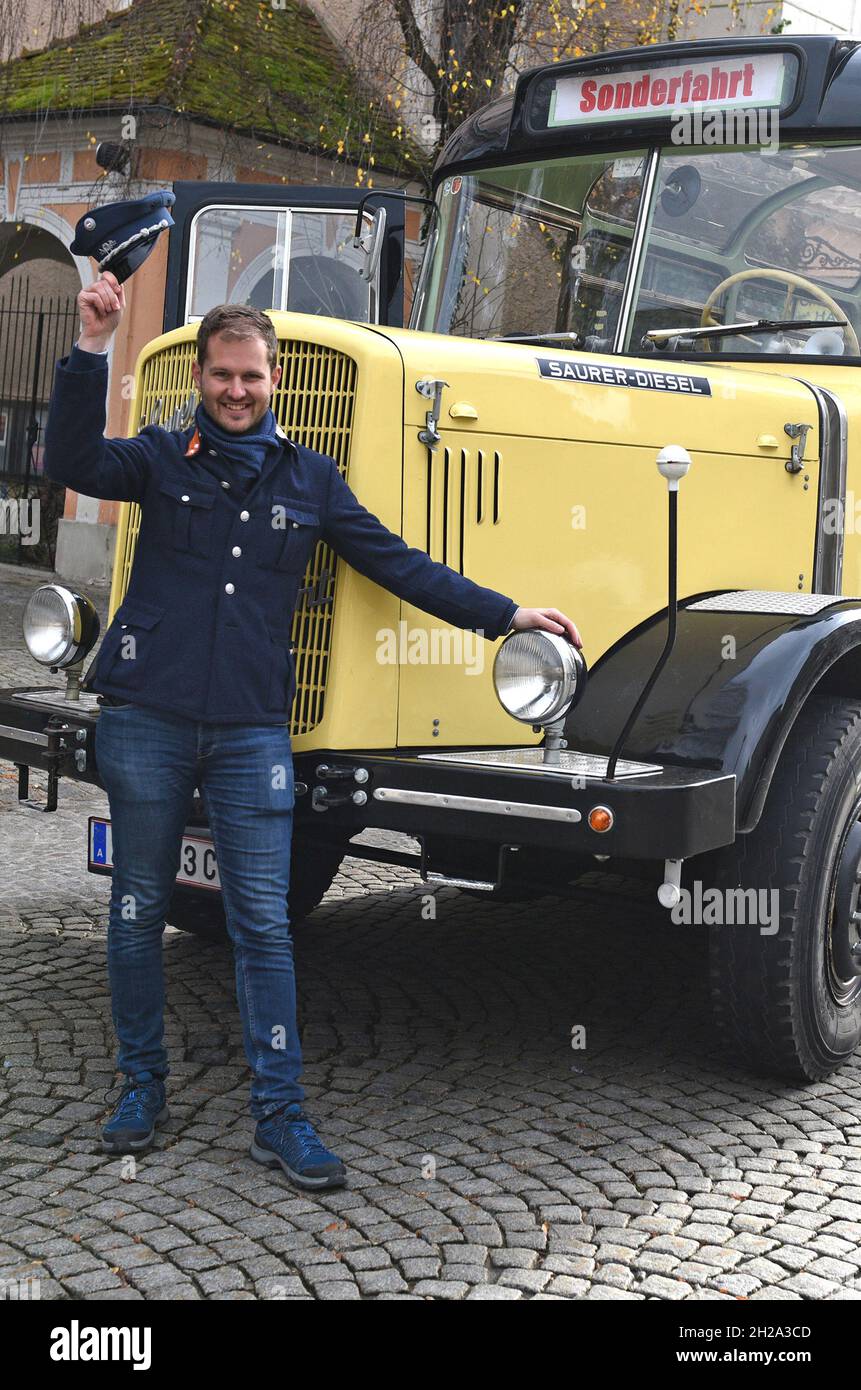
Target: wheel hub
(846, 914)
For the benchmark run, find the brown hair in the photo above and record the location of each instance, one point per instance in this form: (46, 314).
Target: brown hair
(237, 321)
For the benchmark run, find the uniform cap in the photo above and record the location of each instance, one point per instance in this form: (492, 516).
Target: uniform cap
(120, 236)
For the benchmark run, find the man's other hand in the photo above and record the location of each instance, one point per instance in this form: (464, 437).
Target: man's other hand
(550, 619)
(101, 307)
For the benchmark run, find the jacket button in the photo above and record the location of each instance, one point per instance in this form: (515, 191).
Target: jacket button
(224, 484)
(228, 588)
(185, 497)
(243, 516)
(295, 525)
(236, 551)
(212, 451)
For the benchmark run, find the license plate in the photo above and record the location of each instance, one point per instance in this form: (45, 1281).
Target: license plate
(197, 866)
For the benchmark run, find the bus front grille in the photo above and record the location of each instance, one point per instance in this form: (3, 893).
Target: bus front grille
(313, 404)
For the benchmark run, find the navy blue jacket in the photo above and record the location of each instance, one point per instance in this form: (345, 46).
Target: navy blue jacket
(216, 575)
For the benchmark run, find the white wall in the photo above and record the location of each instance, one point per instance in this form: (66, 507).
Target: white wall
(31, 24)
(824, 17)
(753, 17)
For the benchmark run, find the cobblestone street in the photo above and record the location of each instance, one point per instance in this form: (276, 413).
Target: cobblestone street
(487, 1158)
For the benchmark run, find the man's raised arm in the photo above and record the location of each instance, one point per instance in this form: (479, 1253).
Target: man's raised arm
(76, 451)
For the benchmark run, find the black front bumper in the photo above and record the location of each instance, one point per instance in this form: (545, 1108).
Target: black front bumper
(672, 813)
(38, 728)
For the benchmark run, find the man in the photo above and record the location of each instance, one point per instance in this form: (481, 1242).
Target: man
(196, 685)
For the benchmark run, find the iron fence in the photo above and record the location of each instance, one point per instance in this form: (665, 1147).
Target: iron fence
(34, 332)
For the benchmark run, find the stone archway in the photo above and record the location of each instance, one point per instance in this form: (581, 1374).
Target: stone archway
(39, 283)
(24, 247)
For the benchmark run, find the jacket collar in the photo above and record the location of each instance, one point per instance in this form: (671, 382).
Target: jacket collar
(195, 442)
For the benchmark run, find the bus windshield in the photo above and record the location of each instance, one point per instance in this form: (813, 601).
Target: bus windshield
(726, 236)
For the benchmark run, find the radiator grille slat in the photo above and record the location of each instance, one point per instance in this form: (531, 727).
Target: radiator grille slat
(314, 404)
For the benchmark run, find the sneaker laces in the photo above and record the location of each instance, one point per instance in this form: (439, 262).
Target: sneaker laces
(132, 1104)
(310, 1144)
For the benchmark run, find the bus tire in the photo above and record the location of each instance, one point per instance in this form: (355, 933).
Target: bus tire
(787, 995)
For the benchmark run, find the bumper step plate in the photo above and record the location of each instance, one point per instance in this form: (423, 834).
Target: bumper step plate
(570, 764)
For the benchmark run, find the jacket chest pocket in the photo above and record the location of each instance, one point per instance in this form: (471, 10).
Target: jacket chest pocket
(286, 534)
(187, 517)
(128, 643)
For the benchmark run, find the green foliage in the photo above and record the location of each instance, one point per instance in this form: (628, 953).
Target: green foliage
(241, 64)
(105, 64)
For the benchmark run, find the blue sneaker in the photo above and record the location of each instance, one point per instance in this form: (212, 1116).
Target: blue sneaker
(289, 1141)
(139, 1109)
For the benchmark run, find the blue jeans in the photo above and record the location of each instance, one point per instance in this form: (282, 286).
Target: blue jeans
(150, 764)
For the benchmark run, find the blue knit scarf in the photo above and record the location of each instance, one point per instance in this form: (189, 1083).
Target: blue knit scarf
(247, 451)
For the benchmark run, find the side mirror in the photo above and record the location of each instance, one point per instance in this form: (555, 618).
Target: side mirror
(371, 243)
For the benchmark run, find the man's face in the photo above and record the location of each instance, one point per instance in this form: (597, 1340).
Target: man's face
(235, 382)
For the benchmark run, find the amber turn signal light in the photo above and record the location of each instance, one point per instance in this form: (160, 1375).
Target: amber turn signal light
(600, 819)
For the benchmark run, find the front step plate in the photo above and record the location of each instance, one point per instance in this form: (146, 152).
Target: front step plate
(570, 764)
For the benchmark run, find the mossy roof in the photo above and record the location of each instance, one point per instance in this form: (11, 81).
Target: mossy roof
(266, 70)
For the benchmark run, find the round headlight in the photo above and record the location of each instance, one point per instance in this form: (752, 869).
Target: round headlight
(537, 675)
(60, 626)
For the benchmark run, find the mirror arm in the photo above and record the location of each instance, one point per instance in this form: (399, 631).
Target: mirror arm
(387, 193)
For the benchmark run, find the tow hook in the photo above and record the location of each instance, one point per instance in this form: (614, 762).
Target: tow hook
(322, 798)
(669, 892)
(341, 774)
(54, 740)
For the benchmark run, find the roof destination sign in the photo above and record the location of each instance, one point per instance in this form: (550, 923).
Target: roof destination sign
(745, 80)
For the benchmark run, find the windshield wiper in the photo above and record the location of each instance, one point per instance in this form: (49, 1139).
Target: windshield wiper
(664, 337)
(572, 339)
(589, 343)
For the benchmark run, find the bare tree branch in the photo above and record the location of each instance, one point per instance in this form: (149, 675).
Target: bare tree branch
(415, 44)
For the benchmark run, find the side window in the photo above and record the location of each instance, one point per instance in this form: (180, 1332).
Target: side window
(237, 257)
(323, 268)
(278, 258)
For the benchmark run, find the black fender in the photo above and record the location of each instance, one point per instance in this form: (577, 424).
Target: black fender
(738, 677)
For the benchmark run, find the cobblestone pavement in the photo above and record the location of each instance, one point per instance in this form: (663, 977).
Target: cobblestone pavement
(487, 1158)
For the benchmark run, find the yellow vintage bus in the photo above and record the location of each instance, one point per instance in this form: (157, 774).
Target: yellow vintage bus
(630, 388)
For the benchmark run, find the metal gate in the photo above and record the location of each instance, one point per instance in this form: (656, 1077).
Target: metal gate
(34, 333)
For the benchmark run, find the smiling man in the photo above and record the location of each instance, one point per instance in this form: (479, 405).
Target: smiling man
(197, 682)
(235, 376)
